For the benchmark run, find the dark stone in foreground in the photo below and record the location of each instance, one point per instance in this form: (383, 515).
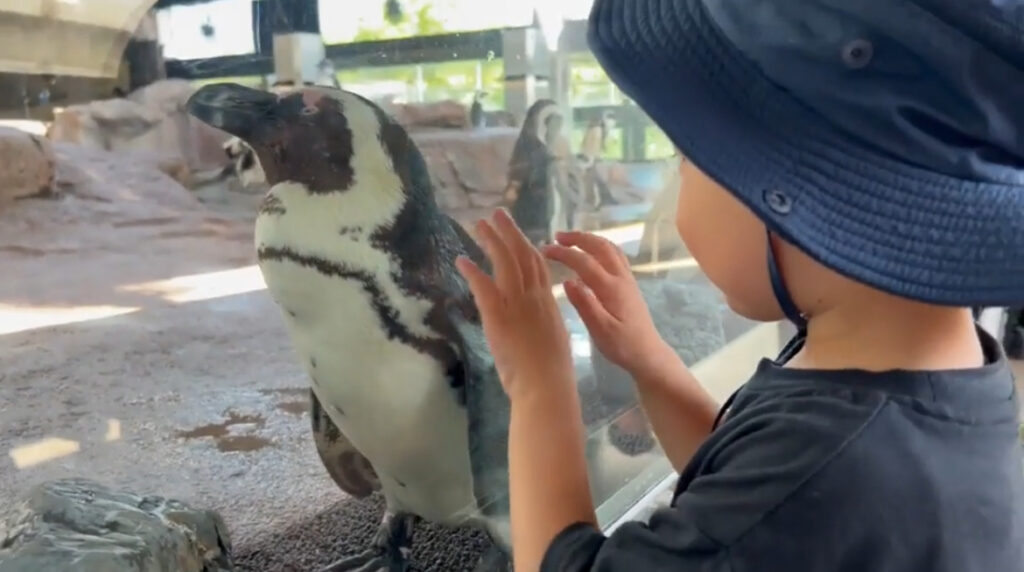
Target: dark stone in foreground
(76, 525)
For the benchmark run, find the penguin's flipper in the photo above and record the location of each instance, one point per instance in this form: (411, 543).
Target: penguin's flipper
(486, 404)
(469, 246)
(488, 411)
(345, 464)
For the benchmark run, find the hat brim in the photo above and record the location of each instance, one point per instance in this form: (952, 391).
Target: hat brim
(899, 228)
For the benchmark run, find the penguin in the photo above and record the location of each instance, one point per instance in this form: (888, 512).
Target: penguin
(567, 180)
(242, 162)
(359, 258)
(595, 138)
(595, 141)
(531, 194)
(476, 111)
(327, 74)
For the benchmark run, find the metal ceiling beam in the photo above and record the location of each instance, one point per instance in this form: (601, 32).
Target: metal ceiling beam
(405, 51)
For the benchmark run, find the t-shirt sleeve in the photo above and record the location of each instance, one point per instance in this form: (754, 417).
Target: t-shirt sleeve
(747, 469)
(636, 546)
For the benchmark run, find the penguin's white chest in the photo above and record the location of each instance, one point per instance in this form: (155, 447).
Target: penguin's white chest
(394, 402)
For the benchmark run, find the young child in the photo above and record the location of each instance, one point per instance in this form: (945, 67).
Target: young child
(856, 168)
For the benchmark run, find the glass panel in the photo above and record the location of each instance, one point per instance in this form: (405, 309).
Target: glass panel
(144, 349)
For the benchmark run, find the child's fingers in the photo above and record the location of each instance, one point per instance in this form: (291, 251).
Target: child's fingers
(519, 246)
(603, 250)
(485, 292)
(590, 309)
(584, 265)
(506, 270)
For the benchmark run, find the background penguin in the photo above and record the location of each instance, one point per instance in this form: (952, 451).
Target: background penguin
(327, 74)
(360, 259)
(243, 165)
(533, 200)
(476, 111)
(566, 176)
(595, 141)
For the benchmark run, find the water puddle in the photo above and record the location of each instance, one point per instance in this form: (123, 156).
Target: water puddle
(296, 408)
(225, 434)
(293, 391)
(242, 443)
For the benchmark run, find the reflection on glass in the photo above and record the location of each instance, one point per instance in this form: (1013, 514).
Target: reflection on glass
(141, 346)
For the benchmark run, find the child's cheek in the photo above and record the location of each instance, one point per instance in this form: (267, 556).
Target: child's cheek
(728, 243)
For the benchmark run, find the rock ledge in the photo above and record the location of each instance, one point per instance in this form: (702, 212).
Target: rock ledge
(77, 525)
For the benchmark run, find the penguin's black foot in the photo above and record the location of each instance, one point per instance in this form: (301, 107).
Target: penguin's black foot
(373, 560)
(494, 560)
(390, 551)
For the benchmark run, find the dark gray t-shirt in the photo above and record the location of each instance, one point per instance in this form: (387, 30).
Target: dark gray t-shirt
(839, 471)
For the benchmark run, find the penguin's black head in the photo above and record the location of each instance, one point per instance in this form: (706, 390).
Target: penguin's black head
(543, 121)
(324, 139)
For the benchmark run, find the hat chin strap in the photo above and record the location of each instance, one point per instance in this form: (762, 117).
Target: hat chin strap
(782, 296)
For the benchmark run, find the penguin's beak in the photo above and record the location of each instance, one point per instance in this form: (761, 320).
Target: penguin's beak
(233, 108)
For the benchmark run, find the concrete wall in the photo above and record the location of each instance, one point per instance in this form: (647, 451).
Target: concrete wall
(71, 52)
(64, 91)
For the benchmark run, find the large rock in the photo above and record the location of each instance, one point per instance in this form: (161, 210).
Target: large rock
(202, 145)
(26, 165)
(99, 198)
(501, 118)
(76, 525)
(151, 120)
(469, 167)
(448, 114)
(108, 124)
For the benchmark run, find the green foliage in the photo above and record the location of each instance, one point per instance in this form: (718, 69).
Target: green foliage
(657, 145)
(417, 19)
(589, 84)
(426, 23)
(444, 80)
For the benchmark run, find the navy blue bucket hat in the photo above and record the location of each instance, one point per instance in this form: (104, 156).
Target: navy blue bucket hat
(885, 138)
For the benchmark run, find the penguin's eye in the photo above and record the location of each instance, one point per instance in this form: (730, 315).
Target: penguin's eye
(310, 110)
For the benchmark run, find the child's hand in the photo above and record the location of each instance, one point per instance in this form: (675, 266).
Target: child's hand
(608, 300)
(521, 319)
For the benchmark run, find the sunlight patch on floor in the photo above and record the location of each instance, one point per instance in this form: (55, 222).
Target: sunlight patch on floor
(113, 430)
(42, 451)
(199, 287)
(52, 448)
